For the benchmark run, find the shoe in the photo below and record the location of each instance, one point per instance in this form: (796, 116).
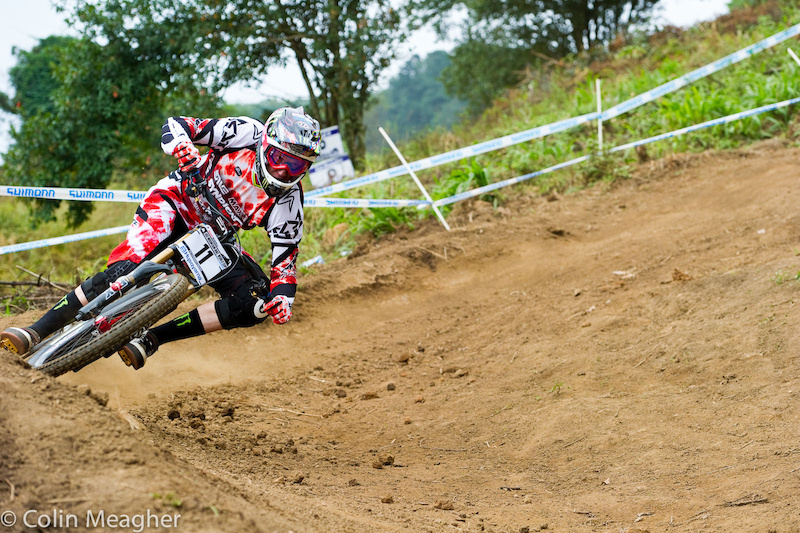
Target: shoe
(136, 352)
(19, 340)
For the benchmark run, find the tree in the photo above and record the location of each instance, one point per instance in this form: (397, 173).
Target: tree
(479, 71)
(342, 46)
(414, 101)
(34, 78)
(503, 36)
(98, 114)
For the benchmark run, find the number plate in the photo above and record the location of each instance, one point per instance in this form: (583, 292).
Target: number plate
(203, 254)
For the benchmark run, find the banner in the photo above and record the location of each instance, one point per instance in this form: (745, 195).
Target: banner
(333, 164)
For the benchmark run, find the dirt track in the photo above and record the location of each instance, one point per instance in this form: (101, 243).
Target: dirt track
(622, 360)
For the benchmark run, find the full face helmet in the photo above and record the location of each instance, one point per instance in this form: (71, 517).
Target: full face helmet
(288, 146)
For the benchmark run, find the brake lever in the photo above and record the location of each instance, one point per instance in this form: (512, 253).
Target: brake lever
(193, 183)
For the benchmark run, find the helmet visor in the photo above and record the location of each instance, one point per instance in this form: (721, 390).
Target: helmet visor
(293, 165)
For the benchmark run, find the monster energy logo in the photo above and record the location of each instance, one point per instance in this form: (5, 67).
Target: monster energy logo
(61, 303)
(183, 320)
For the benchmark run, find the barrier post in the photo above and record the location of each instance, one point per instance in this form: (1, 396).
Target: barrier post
(413, 175)
(794, 56)
(599, 117)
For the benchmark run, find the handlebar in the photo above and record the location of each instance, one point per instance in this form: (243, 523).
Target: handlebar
(195, 186)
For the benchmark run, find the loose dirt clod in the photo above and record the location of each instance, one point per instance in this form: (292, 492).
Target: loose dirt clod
(444, 505)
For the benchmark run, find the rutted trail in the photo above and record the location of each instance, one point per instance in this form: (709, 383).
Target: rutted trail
(611, 359)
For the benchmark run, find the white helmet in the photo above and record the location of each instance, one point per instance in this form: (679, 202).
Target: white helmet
(290, 141)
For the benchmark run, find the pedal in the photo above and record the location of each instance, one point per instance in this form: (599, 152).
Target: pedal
(8, 345)
(124, 356)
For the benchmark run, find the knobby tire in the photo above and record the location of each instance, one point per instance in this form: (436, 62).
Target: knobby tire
(121, 332)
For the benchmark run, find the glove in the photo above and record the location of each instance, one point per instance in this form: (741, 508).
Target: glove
(188, 156)
(279, 308)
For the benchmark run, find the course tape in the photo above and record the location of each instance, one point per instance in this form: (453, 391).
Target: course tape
(63, 193)
(62, 240)
(542, 131)
(708, 124)
(60, 193)
(456, 155)
(702, 72)
(711, 123)
(50, 192)
(348, 202)
(312, 200)
(57, 193)
(500, 184)
(360, 202)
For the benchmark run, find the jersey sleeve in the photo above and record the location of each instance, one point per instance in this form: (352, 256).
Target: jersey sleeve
(285, 229)
(218, 133)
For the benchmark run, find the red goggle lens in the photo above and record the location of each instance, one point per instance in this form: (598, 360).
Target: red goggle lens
(293, 165)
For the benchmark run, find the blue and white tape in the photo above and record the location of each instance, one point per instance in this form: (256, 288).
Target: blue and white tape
(57, 193)
(702, 72)
(456, 155)
(505, 183)
(542, 131)
(348, 202)
(313, 198)
(62, 240)
(317, 259)
(709, 124)
(360, 202)
(318, 202)
(64, 193)
(60, 193)
(716, 122)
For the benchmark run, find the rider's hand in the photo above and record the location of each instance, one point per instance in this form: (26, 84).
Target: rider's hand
(188, 156)
(279, 308)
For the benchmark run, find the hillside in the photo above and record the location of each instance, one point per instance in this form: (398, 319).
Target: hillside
(620, 359)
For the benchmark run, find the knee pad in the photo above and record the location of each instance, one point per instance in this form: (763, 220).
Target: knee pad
(240, 309)
(95, 285)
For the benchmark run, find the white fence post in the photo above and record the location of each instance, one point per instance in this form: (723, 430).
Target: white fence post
(599, 117)
(794, 56)
(416, 179)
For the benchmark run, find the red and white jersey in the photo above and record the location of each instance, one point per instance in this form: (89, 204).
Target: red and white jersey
(228, 170)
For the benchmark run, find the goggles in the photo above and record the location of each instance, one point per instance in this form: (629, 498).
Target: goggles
(293, 165)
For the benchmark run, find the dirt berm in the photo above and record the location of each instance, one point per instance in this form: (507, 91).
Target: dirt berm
(619, 359)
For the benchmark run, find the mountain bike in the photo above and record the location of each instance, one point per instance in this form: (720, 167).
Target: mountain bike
(136, 301)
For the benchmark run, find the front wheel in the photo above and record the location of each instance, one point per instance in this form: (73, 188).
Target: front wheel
(84, 342)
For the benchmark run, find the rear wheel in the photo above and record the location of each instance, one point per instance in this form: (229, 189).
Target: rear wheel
(84, 342)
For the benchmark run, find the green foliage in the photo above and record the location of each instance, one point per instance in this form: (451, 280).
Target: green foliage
(480, 71)
(34, 78)
(503, 37)
(740, 4)
(168, 498)
(381, 221)
(99, 112)
(341, 48)
(415, 101)
(554, 93)
(462, 179)
(782, 277)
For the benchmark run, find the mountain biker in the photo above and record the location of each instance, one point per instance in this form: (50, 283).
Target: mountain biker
(254, 174)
